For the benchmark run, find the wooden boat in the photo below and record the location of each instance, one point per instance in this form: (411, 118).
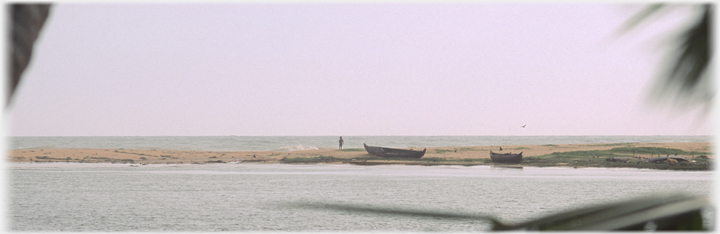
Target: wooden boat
(394, 153)
(506, 157)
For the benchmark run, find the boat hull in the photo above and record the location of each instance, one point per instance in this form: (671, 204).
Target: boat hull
(393, 153)
(506, 158)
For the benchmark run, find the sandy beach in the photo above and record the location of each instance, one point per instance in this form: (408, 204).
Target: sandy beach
(176, 156)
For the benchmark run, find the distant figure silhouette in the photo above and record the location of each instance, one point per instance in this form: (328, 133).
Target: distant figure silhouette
(341, 142)
(500, 148)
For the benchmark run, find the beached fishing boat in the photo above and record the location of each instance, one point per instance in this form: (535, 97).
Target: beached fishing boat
(394, 153)
(506, 158)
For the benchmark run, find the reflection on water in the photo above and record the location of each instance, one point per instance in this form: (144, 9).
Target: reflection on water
(247, 197)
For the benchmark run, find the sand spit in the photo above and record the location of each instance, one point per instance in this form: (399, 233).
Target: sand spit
(447, 153)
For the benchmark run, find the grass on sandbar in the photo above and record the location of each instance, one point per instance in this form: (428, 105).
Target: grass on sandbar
(352, 149)
(621, 152)
(324, 159)
(317, 159)
(598, 158)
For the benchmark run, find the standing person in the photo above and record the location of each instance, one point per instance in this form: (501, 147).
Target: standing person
(341, 142)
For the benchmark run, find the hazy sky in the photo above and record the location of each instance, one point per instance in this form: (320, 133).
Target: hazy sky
(357, 69)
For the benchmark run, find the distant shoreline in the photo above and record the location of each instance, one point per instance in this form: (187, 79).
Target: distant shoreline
(565, 155)
(300, 143)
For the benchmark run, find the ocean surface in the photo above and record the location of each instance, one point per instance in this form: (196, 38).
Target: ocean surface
(73, 197)
(291, 143)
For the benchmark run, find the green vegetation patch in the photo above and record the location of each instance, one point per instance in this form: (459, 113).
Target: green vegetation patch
(369, 158)
(476, 160)
(579, 154)
(468, 149)
(423, 159)
(618, 152)
(615, 144)
(703, 160)
(352, 150)
(442, 151)
(318, 159)
(653, 150)
(321, 159)
(50, 158)
(598, 158)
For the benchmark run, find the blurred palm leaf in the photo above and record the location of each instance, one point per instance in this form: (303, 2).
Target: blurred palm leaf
(641, 16)
(688, 78)
(27, 21)
(663, 211)
(655, 212)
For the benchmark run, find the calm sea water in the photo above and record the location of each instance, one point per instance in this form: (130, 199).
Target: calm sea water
(289, 143)
(253, 197)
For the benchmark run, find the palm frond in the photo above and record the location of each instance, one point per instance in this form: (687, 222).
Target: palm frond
(640, 16)
(388, 210)
(684, 76)
(693, 57)
(654, 212)
(665, 211)
(27, 21)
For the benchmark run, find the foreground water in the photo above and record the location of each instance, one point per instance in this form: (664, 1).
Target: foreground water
(290, 143)
(251, 197)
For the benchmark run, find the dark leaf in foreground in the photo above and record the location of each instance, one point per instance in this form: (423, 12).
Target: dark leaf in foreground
(693, 57)
(657, 212)
(27, 20)
(640, 16)
(688, 76)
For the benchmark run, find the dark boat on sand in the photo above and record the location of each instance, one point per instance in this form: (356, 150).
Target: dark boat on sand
(393, 153)
(506, 157)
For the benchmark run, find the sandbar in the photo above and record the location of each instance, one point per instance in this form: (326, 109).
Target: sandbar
(145, 156)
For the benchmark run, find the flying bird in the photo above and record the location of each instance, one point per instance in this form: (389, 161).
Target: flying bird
(524, 125)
